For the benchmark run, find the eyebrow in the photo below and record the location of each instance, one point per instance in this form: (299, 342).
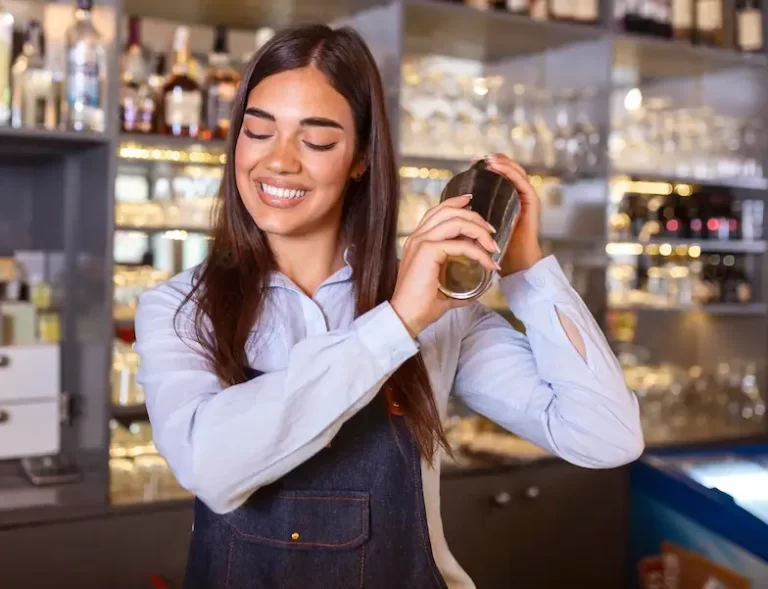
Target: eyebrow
(308, 122)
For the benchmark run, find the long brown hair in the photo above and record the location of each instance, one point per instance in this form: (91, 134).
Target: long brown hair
(230, 287)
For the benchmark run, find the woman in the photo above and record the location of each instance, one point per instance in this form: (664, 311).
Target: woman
(263, 367)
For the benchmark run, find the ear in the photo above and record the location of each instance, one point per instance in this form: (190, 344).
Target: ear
(358, 169)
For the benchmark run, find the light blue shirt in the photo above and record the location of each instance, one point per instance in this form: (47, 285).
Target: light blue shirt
(323, 365)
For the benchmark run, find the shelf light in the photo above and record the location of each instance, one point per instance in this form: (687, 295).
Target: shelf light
(412, 173)
(133, 151)
(624, 249)
(651, 249)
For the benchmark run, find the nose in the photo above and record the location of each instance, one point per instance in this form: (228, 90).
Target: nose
(283, 158)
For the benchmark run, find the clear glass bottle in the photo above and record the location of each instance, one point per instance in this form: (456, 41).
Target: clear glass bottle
(137, 104)
(6, 51)
(749, 26)
(86, 72)
(33, 96)
(221, 83)
(182, 97)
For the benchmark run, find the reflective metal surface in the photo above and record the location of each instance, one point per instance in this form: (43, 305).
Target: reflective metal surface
(496, 200)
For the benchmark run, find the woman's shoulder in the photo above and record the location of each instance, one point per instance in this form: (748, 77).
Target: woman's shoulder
(168, 295)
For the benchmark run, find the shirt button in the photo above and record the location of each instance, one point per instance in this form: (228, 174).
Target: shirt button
(539, 281)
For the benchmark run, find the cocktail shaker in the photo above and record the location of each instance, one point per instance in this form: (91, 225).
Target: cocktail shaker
(496, 200)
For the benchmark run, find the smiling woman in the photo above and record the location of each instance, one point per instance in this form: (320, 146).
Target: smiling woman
(295, 380)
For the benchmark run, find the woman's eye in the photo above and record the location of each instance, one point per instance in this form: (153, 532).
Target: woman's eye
(325, 147)
(255, 135)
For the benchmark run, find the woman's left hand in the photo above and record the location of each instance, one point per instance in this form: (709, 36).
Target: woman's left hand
(524, 249)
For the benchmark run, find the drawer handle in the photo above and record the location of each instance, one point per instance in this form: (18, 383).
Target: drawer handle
(5, 361)
(532, 492)
(4, 416)
(501, 499)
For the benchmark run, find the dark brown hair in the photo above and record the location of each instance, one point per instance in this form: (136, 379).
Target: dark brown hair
(230, 287)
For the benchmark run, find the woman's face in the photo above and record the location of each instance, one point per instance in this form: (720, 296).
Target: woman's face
(295, 153)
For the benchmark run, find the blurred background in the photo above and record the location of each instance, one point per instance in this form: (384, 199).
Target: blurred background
(642, 123)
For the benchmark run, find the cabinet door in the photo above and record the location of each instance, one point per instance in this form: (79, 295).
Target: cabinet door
(570, 526)
(546, 525)
(479, 527)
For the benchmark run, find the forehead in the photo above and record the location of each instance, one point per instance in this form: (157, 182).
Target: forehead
(298, 94)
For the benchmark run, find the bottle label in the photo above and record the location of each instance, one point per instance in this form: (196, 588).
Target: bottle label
(750, 30)
(83, 77)
(221, 96)
(183, 108)
(682, 14)
(518, 6)
(709, 15)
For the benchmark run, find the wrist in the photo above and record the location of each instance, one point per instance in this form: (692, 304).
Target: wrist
(520, 263)
(410, 323)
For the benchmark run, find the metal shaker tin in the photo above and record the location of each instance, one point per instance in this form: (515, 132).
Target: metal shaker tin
(496, 200)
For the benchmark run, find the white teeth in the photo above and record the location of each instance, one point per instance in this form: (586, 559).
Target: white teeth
(282, 192)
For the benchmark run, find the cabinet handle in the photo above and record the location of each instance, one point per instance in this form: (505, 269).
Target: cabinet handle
(4, 416)
(5, 361)
(532, 492)
(501, 499)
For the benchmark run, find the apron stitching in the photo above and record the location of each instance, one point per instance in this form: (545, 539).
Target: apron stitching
(229, 562)
(293, 543)
(362, 565)
(323, 498)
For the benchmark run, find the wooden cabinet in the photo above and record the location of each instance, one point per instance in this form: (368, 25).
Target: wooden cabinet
(547, 525)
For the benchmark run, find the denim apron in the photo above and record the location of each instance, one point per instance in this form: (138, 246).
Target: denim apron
(350, 517)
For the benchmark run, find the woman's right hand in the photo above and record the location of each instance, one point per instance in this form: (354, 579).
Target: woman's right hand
(443, 232)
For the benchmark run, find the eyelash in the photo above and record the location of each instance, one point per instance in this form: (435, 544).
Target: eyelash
(327, 147)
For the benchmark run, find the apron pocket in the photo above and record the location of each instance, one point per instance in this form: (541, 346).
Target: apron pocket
(302, 539)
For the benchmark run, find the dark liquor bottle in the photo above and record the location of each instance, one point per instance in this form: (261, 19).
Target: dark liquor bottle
(182, 96)
(137, 103)
(221, 84)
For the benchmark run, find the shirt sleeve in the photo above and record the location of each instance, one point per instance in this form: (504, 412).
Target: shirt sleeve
(223, 443)
(537, 385)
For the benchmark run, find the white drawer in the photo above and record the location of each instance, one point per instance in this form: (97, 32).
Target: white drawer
(29, 372)
(30, 429)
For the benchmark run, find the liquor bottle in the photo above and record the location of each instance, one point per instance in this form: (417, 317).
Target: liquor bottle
(32, 103)
(86, 72)
(709, 28)
(538, 10)
(6, 54)
(682, 19)
(221, 84)
(586, 11)
(563, 10)
(521, 7)
(137, 103)
(182, 97)
(749, 26)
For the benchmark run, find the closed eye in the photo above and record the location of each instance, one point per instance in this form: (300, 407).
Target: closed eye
(255, 136)
(326, 147)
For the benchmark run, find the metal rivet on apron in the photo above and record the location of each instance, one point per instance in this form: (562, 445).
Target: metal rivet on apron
(295, 536)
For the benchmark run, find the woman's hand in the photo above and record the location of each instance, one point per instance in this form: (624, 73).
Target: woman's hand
(441, 233)
(524, 249)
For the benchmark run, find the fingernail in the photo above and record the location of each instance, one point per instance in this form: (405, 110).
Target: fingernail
(496, 245)
(491, 228)
(498, 266)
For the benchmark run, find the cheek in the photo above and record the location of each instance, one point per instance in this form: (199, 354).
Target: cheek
(245, 158)
(329, 170)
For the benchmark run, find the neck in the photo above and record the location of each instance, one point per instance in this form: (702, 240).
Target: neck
(309, 261)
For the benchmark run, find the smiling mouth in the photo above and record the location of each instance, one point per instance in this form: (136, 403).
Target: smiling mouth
(285, 193)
